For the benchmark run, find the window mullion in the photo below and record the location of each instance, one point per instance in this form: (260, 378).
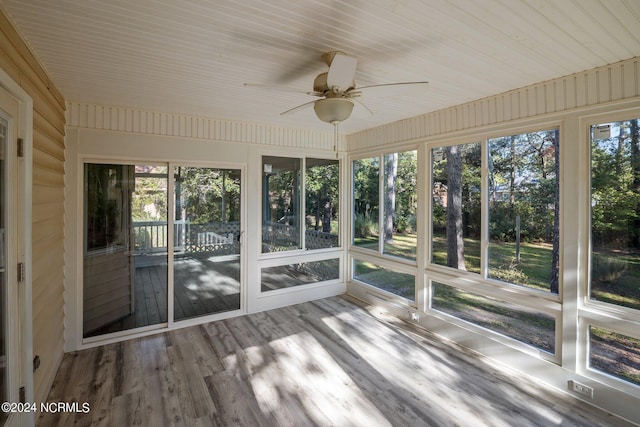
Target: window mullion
(302, 214)
(171, 216)
(484, 210)
(381, 211)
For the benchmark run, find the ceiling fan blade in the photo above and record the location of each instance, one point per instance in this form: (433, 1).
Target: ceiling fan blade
(274, 87)
(361, 109)
(342, 71)
(391, 88)
(279, 88)
(298, 108)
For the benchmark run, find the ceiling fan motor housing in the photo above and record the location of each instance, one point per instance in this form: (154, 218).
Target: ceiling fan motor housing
(320, 85)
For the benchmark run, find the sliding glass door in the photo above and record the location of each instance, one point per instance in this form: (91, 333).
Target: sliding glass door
(128, 242)
(206, 258)
(125, 255)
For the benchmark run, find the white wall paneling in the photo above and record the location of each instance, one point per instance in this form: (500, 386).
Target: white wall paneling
(598, 86)
(129, 120)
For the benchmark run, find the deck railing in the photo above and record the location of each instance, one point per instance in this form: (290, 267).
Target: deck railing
(152, 236)
(277, 237)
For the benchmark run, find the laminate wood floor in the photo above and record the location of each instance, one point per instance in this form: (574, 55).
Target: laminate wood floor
(324, 363)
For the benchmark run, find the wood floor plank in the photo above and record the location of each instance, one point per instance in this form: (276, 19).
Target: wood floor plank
(236, 402)
(189, 382)
(131, 368)
(128, 409)
(161, 399)
(327, 363)
(71, 384)
(205, 352)
(102, 386)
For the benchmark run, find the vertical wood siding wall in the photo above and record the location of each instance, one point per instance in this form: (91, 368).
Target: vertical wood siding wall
(610, 83)
(48, 203)
(122, 119)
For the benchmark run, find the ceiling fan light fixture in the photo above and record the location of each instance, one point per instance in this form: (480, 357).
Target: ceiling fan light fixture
(332, 110)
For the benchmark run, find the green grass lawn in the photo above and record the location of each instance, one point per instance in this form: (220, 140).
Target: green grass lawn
(608, 348)
(533, 270)
(400, 284)
(624, 289)
(530, 327)
(403, 245)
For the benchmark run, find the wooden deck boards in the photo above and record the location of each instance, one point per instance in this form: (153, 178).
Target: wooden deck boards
(328, 362)
(202, 286)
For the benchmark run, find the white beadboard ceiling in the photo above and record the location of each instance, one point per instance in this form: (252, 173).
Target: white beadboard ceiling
(193, 56)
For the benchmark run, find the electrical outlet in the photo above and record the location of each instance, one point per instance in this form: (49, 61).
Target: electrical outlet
(581, 389)
(415, 316)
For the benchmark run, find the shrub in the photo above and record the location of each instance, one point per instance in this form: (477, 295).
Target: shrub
(510, 273)
(363, 226)
(406, 224)
(606, 269)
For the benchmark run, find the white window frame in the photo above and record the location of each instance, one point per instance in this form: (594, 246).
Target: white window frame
(399, 264)
(600, 314)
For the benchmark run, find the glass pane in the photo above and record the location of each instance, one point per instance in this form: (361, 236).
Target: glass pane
(401, 284)
(286, 276)
(365, 203)
(400, 203)
(517, 322)
(206, 262)
(322, 180)
(524, 227)
(4, 335)
(455, 214)
(281, 204)
(615, 213)
(615, 354)
(125, 259)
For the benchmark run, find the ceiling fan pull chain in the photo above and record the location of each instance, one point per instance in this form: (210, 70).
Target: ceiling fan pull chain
(335, 137)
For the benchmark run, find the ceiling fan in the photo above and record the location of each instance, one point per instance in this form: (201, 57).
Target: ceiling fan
(337, 90)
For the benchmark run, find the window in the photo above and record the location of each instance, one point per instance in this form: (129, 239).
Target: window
(395, 224)
(502, 225)
(286, 276)
(386, 279)
(615, 247)
(322, 180)
(526, 325)
(615, 354)
(524, 206)
(615, 213)
(283, 210)
(366, 184)
(281, 181)
(400, 202)
(455, 211)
